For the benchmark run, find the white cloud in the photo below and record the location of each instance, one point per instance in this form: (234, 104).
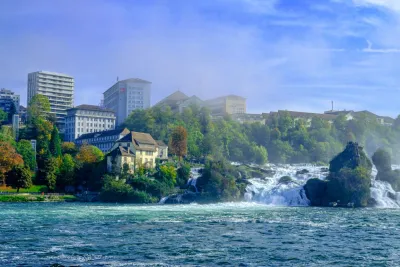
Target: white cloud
(393, 5)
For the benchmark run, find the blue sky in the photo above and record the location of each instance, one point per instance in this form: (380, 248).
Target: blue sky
(280, 54)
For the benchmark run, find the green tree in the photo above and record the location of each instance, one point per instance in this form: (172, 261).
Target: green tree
(11, 113)
(19, 177)
(38, 107)
(24, 148)
(3, 117)
(66, 174)
(51, 170)
(69, 148)
(167, 174)
(55, 143)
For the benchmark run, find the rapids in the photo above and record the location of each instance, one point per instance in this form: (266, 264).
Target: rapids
(271, 191)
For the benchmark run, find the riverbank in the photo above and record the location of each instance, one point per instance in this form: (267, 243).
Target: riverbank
(36, 198)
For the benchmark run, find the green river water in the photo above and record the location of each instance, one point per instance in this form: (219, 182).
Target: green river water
(230, 234)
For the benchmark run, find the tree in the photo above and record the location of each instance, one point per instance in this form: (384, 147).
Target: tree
(178, 142)
(69, 148)
(19, 177)
(55, 143)
(8, 159)
(38, 107)
(167, 174)
(89, 154)
(3, 117)
(51, 169)
(67, 171)
(24, 148)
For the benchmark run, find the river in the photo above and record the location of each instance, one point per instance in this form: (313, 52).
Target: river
(240, 234)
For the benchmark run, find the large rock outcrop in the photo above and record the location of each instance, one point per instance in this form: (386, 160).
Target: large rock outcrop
(348, 182)
(383, 163)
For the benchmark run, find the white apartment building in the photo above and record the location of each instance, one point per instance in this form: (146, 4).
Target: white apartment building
(85, 119)
(59, 88)
(127, 95)
(7, 99)
(104, 140)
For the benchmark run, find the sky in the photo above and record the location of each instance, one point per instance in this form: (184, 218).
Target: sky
(280, 54)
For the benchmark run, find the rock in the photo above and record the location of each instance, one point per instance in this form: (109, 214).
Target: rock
(392, 196)
(316, 192)
(285, 180)
(372, 202)
(352, 157)
(186, 198)
(324, 169)
(303, 171)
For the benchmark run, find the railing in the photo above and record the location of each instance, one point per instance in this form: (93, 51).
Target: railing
(32, 193)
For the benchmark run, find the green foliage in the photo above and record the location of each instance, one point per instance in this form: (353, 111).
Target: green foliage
(69, 148)
(166, 174)
(118, 191)
(3, 117)
(51, 169)
(183, 175)
(66, 174)
(24, 148)
(218, 181)
(55, 143)
(352, 157)
(19, 177)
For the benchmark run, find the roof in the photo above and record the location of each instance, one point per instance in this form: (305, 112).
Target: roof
(141, 141)
(160, 143)
(173, 98)
(134, 80)
(191, 99)
(91, 107)
(226, 96)
(103, 134)
(123, 151)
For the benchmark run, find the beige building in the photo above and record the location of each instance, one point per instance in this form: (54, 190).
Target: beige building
(248, 118)
(162, 150)
(136, 149)
(231, 104)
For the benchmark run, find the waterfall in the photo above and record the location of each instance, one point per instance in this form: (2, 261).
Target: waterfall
(271, 191)
(162, 201)
(194, 175)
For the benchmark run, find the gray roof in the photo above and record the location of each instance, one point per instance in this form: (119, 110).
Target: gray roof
(134, 80)
(90, 107)
(141, 141)
(103, 134)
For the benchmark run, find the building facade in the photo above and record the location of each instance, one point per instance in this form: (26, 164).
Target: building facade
(103, 140)
(141, 145)
(231, 104)
(162, 150)
(87, 119)
(126, 96)
(7, 99)
(59, 89)
(248, 118)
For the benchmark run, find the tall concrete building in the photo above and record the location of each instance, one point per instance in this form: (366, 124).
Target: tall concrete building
(59, 88)
(85, 119)
(7, 99)
(127, 95)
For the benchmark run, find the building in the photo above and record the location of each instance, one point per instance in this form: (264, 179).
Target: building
(103, 140)
(162, 150)
(172, 100)
(191, 101)
(7, 99)
(141, 146)
(305, 116)
(350, 115)
(231, 104)
(248, 118)
(22, 114)
(59, 88)
(87, 119)
(127, 95)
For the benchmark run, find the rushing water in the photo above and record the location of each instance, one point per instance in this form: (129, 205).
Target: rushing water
(239, 234)
(270, 191)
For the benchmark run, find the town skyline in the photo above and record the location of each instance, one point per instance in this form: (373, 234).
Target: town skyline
(201, 49)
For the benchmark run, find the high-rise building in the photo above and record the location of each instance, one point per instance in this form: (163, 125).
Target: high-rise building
(59, 88)
(127, 95)
(85, 119)
(7, 99)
